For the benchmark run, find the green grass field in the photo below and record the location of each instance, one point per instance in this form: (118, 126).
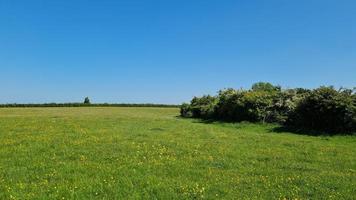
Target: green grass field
(150, 153)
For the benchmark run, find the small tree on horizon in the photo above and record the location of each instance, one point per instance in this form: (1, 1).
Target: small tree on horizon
(86, 100)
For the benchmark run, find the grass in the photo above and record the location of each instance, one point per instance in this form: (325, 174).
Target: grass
(149, 153)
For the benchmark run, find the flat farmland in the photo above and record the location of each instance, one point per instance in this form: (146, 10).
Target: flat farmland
(151, 153)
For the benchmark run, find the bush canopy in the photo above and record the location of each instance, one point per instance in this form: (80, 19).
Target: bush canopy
(324, 109)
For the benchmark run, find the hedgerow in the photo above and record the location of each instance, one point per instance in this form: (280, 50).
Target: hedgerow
(323, 109)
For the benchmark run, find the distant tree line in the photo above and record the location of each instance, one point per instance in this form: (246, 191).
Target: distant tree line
(88, 105)
(324, 109)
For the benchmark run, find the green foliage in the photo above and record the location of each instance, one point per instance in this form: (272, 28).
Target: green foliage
(230, 105)
(86, 100)
(323, 109)
(185, 110)
(263, 86)
(252, 105)
(258, 104)
(326, 109)
(203, 107)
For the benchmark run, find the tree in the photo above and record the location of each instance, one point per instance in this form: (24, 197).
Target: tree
(86, 100)
(264, 86)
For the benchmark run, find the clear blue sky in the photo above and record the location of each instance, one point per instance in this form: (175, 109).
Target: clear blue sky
(170, 50)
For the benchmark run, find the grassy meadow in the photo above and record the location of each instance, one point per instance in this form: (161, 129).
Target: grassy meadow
(150, 153)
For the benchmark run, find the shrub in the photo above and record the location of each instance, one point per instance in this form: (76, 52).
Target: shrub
(252, 105)
(230, 106)
(323, 109)
(266, 103)
(185, 110)
(326, 109)
(203, 107)
(258, 105)
(284, 103)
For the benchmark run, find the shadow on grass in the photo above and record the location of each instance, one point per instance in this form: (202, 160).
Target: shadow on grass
(204, 121)
(273, 128)
(285, 129)
(310, 132)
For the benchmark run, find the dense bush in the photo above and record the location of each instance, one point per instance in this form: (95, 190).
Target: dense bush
(203, 107)
(284, 104)
(258, 105)
(323, 109)
(185, 110)
(230, 106)
(326, 109)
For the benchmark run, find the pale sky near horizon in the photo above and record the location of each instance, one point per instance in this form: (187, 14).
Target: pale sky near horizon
(169, 51)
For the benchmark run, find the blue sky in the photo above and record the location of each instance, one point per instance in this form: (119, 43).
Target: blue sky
(168, 51)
